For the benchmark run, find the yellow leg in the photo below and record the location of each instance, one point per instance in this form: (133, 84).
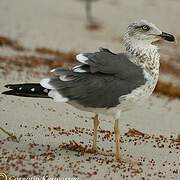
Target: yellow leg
(96, 124)
(117, 140)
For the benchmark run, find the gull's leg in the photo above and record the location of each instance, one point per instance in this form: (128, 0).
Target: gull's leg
(117, 139)
(96, 124)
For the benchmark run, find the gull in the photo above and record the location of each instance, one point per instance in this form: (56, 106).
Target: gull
(104, 82)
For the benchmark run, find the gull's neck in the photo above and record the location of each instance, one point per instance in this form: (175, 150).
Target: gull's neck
(143, 54)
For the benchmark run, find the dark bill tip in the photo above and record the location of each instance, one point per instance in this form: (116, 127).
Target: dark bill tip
(168, 37)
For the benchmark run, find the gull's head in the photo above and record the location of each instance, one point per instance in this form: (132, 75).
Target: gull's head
(146, 33)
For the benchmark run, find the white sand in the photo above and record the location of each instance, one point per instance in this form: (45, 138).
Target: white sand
(60, 24)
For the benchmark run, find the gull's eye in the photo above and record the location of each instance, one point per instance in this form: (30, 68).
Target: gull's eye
(145, 27)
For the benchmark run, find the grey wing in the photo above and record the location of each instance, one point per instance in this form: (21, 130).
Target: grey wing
(99, 81)
(106, 62)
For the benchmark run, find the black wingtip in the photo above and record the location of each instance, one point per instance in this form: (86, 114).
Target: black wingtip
(8, 86)
(3, 92)
(7, 92)
(11, 92)
(26, 90)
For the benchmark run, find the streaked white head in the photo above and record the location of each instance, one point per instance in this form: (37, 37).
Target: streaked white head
(138, 41)
(145, 33)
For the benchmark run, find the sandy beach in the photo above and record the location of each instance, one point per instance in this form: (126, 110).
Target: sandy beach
(55, 138)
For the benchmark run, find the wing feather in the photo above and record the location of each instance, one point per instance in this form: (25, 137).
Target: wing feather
(98, 81)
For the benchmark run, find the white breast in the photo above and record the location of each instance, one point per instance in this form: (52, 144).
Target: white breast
(148, 58)
(138, 95)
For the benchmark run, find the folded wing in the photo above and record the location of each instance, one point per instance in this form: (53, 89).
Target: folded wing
(98, 81)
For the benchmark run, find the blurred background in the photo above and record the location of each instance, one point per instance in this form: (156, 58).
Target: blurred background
(84, 25)
(38, 35)
(55, 22)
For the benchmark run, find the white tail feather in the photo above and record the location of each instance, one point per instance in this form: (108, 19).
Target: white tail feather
(57, 96)
(52, 70)
(81, 58)
(45, 83)
(79, 70)
(65, 78)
